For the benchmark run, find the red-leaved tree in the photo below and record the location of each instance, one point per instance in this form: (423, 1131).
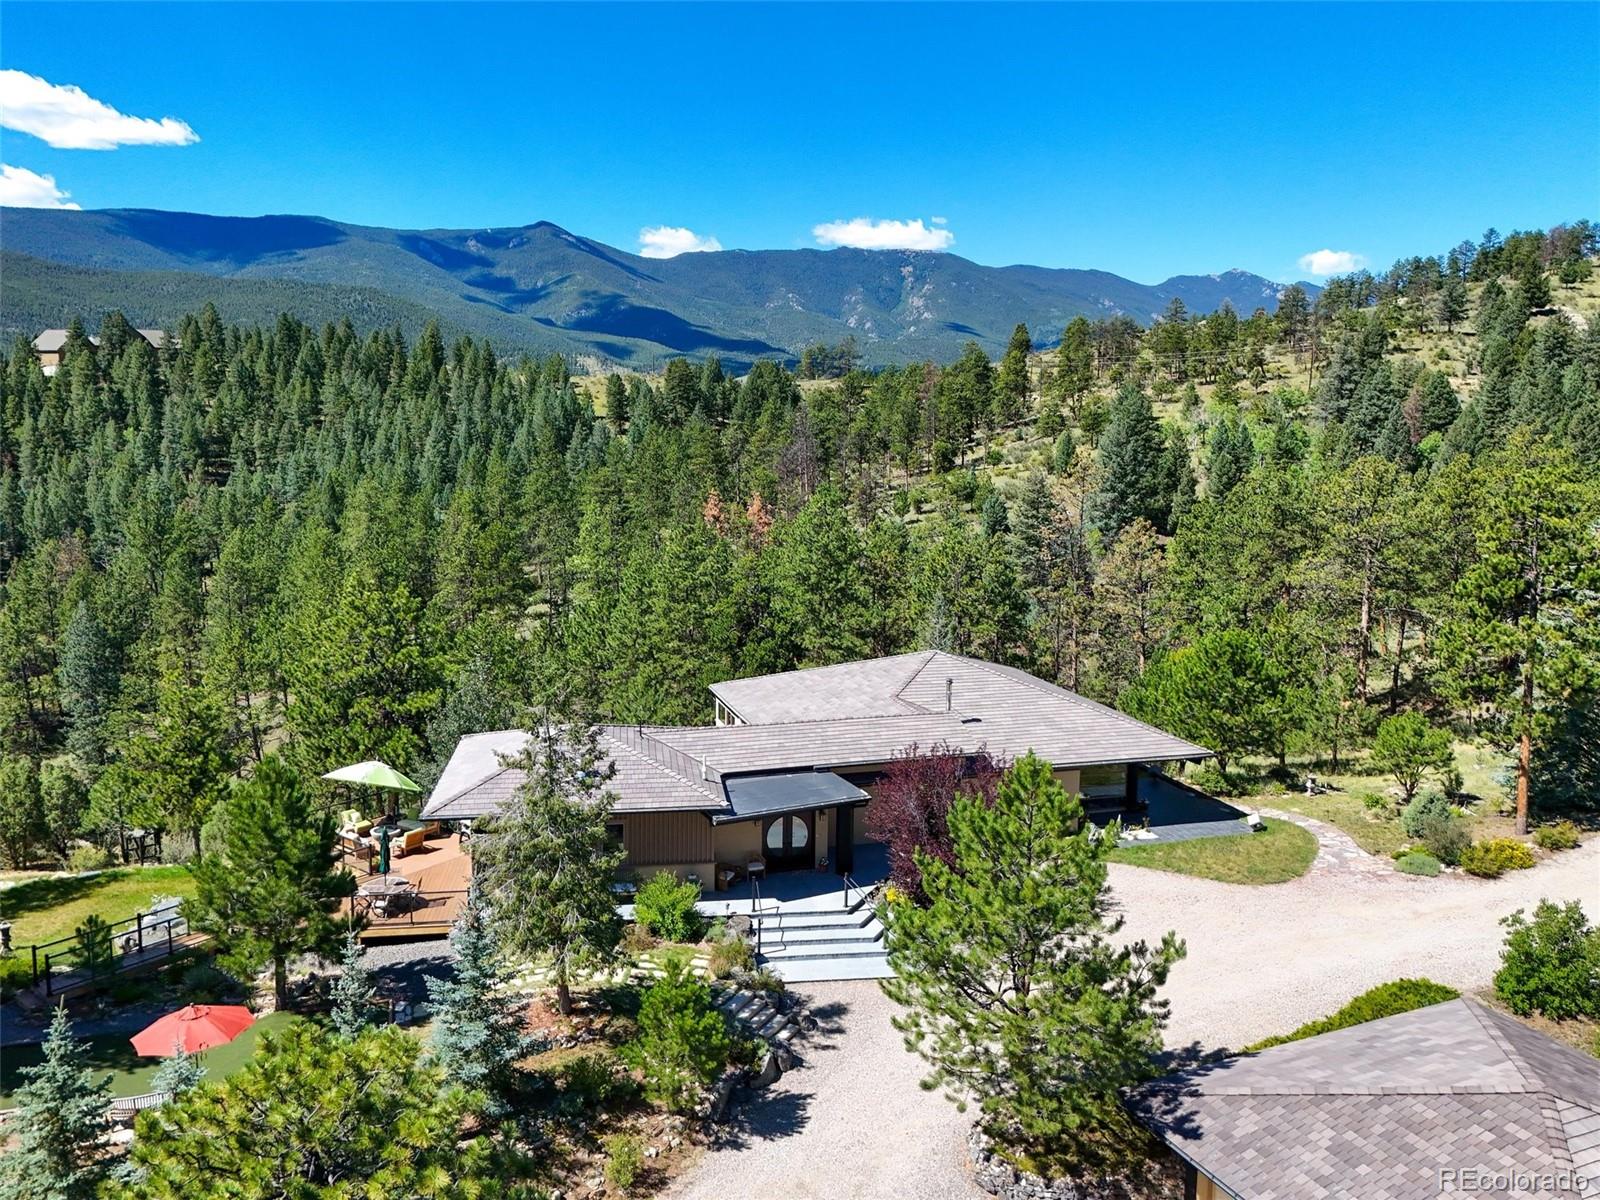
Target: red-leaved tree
(913, 800)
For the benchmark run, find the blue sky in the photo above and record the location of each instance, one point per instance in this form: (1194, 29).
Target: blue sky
(1140, 138)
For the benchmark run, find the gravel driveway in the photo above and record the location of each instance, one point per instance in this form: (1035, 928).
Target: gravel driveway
(852, 1122)
(1263, 960)
(848, 1124)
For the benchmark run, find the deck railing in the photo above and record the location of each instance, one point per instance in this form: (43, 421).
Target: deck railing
(434, 907)
(120, 941)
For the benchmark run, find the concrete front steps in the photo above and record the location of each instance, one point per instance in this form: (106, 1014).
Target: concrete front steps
(807, 947)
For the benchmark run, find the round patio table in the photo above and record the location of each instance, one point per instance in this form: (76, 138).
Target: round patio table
(384, 885)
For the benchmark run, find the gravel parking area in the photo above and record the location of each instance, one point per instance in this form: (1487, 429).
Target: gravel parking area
(850, 1123)
(1263, 960)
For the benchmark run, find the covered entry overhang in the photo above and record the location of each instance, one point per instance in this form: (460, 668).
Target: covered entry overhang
(763, 798)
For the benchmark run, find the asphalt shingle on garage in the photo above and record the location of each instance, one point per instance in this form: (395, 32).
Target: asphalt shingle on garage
(1383, 1109)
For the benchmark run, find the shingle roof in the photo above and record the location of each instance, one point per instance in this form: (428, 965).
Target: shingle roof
(50, 341)
(476, 780)
(849, 716)
(1381, 1109)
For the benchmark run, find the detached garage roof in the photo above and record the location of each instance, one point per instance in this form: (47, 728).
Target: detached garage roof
(1381, 1110)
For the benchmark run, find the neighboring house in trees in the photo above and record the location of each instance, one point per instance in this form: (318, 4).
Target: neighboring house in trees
(48, 346)
(792, 761)
(1453, 1098)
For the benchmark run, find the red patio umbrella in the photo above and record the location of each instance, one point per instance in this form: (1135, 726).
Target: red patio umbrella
(195, 1027)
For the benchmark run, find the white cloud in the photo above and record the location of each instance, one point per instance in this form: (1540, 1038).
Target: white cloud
(68, 118)
(669, 241)
(22, 188)
(940, 220)
(1332, 262)
(864, 233)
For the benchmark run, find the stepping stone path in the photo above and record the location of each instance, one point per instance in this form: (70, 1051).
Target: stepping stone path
(535, 978)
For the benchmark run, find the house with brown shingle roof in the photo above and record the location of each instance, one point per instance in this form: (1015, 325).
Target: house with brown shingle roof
(51, 344)
(1453, 1099)
(794, 757)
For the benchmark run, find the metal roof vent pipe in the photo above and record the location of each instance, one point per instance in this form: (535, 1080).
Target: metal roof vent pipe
(949, 694)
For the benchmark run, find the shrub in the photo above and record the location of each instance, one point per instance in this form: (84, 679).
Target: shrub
(624, 1158)
(683, 1041)
(1424, 808)
(730, 956)
(1563, 835)
(596, 1080)
(1551, 964)
(762, 979)
(1385, 1000)
(88, 858)
(1493, 858)
(1446, 838)
(1409, 748)
(636, 939)
(1209, 778)
(204, 982)
(1375, 802)
(664, 907)
(1417, 863)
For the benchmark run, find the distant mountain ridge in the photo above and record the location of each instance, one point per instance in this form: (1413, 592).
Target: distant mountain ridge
(542, 288)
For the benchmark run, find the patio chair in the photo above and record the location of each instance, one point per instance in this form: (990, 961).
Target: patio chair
(352, 822)
(412, 841)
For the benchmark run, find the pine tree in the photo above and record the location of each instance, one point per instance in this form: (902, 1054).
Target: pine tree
(89, 684)
(1524, 621)
(181, 1072)
(1011, 380)
(546, 863)
(60, 1117)
(1016, 987)
(477, 1035)
(352, 992)
(272, 889)
(187, 763)
(1129, 450)
(683, 1040)
(1450, 305)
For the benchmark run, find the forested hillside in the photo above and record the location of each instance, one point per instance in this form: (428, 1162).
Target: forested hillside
(1261, 531)
(542, 289)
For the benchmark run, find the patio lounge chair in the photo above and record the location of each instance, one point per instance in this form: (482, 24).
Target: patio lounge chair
(413, 839)
(352, 822)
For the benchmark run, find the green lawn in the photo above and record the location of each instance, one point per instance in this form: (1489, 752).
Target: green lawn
(130, 1073)
(1282, 852)
(53, 906)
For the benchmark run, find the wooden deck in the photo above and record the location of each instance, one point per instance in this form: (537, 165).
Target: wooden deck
(440, 873)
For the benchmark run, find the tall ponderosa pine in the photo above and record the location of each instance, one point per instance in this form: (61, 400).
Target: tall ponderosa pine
(1016, 987)
(59, 1119)
(1523, 629)
(187, 762)
(477, 1036)
(546, 863)
(272, 890)
(89, 685)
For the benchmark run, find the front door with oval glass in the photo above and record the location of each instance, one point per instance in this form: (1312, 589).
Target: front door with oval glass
(786, 842)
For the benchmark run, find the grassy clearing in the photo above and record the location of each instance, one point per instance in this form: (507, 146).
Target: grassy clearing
(53, 906)
(130, 1073)
(1283, 852)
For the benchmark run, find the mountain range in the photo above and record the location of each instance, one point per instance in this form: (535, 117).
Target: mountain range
(542, 288)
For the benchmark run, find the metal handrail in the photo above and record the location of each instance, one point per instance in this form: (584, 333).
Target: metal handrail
(755, 911)
(849, 883)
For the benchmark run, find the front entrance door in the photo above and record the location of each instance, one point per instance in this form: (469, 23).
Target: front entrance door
(786, 842)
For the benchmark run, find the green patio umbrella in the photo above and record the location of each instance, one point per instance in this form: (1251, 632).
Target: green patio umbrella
(374, 774)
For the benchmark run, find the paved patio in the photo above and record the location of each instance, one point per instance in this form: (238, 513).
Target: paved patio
(1176, 812)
